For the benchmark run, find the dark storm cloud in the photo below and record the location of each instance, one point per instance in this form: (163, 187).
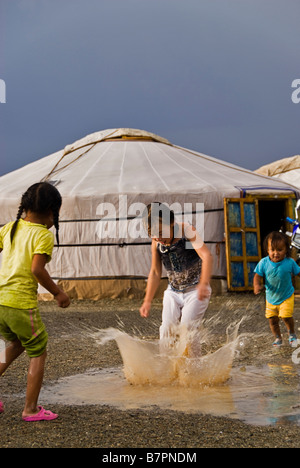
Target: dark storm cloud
(214, 76)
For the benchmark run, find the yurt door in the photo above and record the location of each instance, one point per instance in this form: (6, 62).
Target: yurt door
(243, 247)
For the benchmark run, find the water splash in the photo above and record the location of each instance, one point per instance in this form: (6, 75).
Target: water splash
(161, 363)
(167, 377)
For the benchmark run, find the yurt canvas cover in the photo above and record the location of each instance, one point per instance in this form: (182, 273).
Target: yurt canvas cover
(286, 169)
(107, 177)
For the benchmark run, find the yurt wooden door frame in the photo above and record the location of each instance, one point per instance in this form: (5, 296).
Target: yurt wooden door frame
(246, 225)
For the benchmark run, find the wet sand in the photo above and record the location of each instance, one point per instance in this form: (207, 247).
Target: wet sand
(72, 351)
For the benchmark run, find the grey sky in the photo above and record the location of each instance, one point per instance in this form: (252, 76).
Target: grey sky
(210, 75)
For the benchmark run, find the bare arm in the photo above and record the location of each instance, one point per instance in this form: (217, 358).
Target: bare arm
(43, 277)
(206, 271)
(257, 284)
(207, 261)
(153, 281)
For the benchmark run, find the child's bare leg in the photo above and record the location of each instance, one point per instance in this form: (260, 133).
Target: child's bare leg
(34, 384)
(274, 326)
(11, 353)
(290, 325)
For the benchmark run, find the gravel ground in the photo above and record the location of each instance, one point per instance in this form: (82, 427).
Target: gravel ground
(71, 351)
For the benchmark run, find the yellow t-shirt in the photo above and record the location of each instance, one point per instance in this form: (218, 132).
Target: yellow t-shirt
(18, 286)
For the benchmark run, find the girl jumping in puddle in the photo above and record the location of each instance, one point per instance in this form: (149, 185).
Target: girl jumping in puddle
(188, 263)
(277, 269)
(27, 246)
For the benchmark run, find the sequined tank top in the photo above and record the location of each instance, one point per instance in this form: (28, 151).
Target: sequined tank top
(182, 263)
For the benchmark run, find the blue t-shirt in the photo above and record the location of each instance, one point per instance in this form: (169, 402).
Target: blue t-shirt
(278, 278)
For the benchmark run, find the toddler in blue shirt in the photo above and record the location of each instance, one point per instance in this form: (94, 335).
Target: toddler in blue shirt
(277, 270)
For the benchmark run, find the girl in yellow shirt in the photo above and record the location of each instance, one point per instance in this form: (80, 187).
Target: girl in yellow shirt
(27, 246)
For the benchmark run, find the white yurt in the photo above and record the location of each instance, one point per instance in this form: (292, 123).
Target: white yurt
(286, 169)
(105, 180)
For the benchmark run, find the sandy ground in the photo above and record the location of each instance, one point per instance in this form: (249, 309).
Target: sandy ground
(71, 351)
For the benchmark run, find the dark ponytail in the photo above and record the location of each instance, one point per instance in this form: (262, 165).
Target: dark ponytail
(15, 225)
(56, 225)
(40, 198)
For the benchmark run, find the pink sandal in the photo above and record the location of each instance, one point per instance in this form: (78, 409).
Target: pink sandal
(42, 415)
(1, 407)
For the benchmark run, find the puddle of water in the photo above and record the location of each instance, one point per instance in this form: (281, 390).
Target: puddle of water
(168, 379)
(267, 395)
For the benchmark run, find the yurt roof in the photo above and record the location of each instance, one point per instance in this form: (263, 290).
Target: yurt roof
(286, 170)
(135, 162)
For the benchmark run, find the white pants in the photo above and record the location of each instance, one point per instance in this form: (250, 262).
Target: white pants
(182, 308)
